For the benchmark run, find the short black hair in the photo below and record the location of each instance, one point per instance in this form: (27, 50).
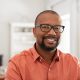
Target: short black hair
(45, 11)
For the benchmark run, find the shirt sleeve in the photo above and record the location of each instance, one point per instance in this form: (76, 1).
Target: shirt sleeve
(79, 70)
(12, 72)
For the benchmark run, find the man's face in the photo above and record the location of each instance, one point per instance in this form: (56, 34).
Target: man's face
(47, 40)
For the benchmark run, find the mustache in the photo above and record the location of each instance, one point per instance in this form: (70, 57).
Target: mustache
(50, 36)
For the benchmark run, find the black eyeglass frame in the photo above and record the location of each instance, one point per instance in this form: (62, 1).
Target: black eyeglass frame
(51, 27)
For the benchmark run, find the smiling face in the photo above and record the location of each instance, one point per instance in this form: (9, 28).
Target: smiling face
(47, 40)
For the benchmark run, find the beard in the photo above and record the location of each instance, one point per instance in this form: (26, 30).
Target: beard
(48, 48)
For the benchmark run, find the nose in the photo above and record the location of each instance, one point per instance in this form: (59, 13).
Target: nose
(52, 32)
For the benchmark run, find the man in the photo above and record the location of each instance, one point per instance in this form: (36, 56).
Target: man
(44, 61)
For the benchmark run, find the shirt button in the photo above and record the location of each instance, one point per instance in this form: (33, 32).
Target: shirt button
(40, 60)
(49, 69)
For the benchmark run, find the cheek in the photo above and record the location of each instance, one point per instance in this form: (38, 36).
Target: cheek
(58, 35)
(39, 38)
(38, 33)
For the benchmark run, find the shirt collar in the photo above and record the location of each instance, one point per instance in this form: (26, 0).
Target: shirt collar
(37, 56)
(56, 58)
(34, 53)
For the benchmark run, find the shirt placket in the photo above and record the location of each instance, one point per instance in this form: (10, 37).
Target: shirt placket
(51, 72)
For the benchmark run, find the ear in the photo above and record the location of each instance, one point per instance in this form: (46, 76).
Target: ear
(34, 32)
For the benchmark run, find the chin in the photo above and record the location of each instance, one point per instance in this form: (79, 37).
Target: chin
(53, 47)
(48, 48)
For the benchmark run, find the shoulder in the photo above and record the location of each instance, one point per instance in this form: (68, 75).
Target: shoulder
(21, 57)
(69, 57)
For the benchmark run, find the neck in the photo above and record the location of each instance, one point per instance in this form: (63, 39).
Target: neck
(48, 56)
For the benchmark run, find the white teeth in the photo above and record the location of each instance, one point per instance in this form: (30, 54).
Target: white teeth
(50, 40)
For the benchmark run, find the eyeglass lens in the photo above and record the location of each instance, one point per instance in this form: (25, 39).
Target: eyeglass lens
(47, 27)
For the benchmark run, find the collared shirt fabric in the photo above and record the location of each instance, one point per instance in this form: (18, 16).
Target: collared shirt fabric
(29, 65)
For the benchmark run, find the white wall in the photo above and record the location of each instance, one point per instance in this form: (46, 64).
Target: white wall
(79, 27)
(15, 11)
(61, 6)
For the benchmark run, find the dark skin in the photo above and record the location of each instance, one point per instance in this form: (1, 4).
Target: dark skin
(47, 18)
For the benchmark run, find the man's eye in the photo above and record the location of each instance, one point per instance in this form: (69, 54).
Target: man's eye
(56, 27)
(46, 27)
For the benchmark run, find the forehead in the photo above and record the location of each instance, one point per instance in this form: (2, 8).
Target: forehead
(48, 18)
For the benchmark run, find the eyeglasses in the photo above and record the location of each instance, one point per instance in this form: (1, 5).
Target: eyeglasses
(48, 27)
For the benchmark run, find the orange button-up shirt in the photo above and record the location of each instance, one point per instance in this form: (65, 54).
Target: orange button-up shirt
(28, 65)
